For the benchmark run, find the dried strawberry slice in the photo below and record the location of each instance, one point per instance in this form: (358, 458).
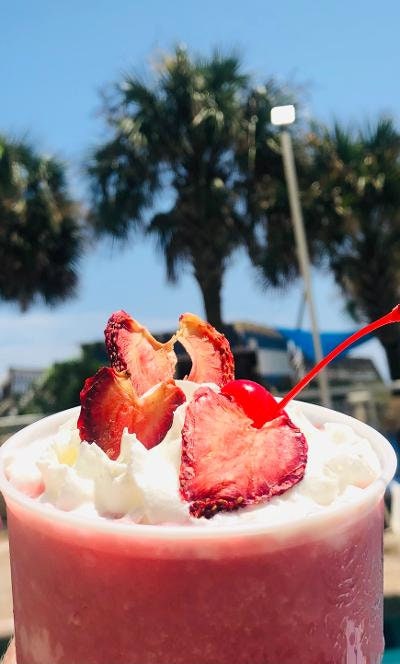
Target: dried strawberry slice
(209, 350)
(156, 413)
(109, 404)
(227, 463)
(132, 348)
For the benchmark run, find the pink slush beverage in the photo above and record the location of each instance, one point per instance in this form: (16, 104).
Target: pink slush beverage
(92, 591)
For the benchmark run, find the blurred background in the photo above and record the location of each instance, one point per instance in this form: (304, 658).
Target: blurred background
(139, 169)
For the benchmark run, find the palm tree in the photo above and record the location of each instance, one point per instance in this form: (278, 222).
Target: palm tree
(186, 136)
(354, 197)
(40, 235)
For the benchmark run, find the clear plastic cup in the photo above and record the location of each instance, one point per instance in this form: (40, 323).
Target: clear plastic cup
(105, 592)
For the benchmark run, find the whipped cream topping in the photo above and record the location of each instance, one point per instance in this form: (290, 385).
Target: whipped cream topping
(143, 485)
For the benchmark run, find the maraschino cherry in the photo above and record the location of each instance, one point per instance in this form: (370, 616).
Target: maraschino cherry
(255, 400)
(260, 405)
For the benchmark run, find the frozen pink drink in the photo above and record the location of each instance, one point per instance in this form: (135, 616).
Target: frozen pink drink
(308, 591)
(196, 521)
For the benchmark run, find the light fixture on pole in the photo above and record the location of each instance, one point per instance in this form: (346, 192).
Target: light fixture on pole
(283, 116)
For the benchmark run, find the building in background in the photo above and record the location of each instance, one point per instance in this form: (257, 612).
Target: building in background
(284, 356)
(16, 384)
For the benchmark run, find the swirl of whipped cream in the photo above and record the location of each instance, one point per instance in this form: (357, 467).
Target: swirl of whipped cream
(142, 485)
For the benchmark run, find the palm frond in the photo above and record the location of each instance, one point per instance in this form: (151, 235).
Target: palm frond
(40, 235)
(170, 243)
(123, 184)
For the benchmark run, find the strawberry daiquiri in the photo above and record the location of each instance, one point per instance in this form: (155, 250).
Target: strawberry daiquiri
(195, 521)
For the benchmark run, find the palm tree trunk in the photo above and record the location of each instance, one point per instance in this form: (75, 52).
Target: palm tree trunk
(211, 288)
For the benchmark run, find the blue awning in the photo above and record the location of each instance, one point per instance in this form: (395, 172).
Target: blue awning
(329, 341)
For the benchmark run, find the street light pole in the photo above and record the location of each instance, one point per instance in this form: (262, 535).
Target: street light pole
(286, 115)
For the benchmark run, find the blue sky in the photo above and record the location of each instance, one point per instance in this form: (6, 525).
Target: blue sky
(56, 57)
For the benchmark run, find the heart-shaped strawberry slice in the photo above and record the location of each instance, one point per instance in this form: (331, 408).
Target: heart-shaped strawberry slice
(109, 404)
(227, 463)
(132, 348)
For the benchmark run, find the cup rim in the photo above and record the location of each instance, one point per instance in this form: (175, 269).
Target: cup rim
(317, 414)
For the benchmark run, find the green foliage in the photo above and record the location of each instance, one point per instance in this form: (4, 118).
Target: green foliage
(354, 195)
(200, 134)
(60, 387)
(40, 236)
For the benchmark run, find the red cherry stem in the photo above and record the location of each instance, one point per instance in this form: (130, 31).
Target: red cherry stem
(392, 317)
